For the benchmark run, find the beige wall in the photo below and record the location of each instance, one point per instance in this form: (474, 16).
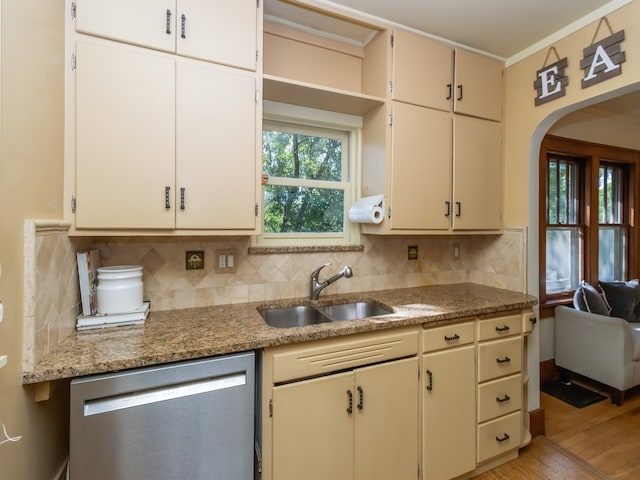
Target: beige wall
(31, 139)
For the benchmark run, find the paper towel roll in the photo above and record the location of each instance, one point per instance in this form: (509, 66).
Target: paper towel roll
(367, 210)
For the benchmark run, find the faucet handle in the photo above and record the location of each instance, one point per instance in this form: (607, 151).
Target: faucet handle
(316, 272)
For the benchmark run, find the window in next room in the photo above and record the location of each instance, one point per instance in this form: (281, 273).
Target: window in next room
(587, 202)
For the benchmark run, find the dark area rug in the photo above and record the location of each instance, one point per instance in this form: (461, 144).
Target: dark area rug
(575, 395)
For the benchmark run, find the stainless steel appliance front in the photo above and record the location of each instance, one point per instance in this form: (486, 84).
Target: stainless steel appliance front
(189, 420)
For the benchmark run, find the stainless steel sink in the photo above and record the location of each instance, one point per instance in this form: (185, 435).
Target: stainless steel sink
(353, 311)
(302, 315)
(293, 316)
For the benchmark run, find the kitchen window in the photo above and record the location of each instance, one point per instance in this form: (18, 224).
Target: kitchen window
(587, 200)
(308, 167)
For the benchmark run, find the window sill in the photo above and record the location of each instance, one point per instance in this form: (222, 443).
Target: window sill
(305, 249)
(547, 308)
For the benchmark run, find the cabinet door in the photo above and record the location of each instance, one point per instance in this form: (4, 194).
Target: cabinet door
(422, 70)
(218, 30)
(141, 22)
(312, 429)
(216, 147)
(387, 426)
(421, 168)
(478, 85)
(125, 139)
(448, 413)
(477, 170)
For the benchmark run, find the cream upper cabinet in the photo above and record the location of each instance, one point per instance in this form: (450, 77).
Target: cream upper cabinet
(125, 137)
(338, 426)
(215, 147)
(445, 172)
(422, 70)
(478, 85)
(477, 174)
(420, 194)
(433, 74)
(214, 30)
(157, 141)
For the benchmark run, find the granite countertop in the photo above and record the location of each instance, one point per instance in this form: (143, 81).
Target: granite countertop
(175, 335)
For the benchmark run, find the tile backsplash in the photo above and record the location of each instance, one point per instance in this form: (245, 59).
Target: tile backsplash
(52, 294)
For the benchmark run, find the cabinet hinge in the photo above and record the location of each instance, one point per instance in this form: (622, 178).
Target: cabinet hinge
(390, 120)
(390, 86)
(257, 97)
(73, 10)
(73, 62)
(257, 3)
(391, 40)
(73, 204)
(256, 209)
(257, 55)
(270, 407)
(389, 212)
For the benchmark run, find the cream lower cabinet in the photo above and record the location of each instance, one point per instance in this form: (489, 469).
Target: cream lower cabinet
(500, 386)
(360, 424)
(357, 425)
(156, 142)
(448, 402)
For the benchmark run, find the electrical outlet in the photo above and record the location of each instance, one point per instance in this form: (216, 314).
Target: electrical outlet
(412, 252)
(194, 260)
(226, 260)
(456, 251)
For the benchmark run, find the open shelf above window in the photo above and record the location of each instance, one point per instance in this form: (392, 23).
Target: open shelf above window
(315, 96)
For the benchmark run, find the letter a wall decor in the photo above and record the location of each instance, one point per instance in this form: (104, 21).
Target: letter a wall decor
(602, 60)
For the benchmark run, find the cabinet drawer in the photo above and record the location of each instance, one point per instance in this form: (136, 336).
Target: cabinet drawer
(499, 358)
(528, 321)
(499, 397)
(499, 436)
(447, 336)
(326, 356)
(499, 327)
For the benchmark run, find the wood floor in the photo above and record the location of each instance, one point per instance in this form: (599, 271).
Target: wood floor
(600, 441)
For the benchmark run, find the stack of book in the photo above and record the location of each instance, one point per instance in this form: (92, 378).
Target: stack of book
(101, 320)
(88, 264)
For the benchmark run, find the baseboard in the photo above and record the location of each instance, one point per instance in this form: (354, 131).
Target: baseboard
(548, 370)
(536, 422)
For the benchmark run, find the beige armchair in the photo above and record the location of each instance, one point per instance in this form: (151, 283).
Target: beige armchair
(603, 348)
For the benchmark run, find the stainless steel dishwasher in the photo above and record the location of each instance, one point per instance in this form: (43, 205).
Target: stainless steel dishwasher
(192, 420)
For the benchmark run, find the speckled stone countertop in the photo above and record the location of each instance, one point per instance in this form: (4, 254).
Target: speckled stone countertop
(175, 335)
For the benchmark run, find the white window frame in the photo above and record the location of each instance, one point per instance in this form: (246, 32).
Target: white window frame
(317, 122)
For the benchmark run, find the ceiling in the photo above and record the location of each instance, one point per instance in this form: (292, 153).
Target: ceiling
(502, 28)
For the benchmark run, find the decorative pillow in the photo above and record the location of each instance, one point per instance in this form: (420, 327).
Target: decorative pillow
(588, 299)
(624, 299)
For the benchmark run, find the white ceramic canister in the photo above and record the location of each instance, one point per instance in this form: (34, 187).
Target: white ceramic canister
(119, 289)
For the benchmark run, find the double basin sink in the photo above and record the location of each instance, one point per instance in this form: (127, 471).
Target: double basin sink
(301, 315)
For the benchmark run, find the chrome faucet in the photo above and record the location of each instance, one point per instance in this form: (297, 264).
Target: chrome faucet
(317, 287)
